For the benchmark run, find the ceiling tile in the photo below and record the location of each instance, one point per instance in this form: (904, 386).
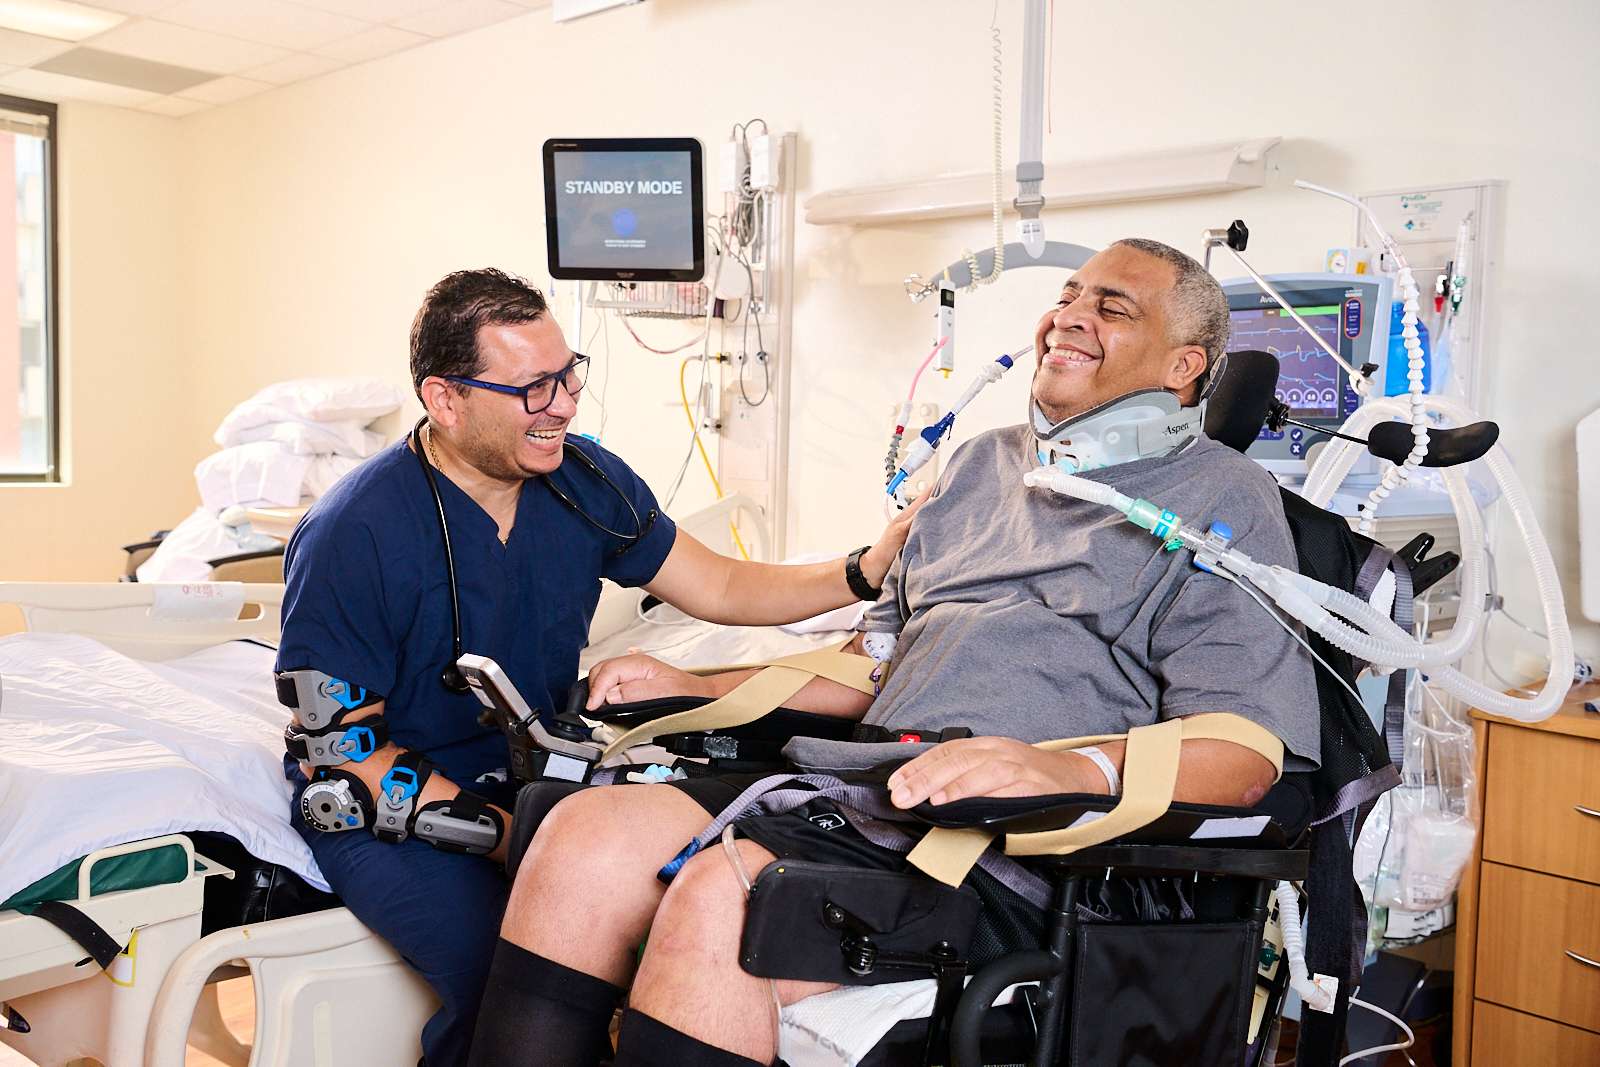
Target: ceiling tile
(225, 90)
(137, 7)
(298, 67)
(459, 17)
(184, 47)
(26, 49)
(376, 10)
(174, 106)
(378, 41)
(62, 87)
(269, 21)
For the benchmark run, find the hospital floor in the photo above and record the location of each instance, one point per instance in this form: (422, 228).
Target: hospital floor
(238, 1011)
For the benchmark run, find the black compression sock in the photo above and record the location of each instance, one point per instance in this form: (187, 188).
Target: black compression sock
(647, 1042)
(536, 1011)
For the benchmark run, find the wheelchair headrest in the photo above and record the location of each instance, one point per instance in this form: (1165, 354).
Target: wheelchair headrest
(1238, 405)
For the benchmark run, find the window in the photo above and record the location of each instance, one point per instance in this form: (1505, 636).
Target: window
(29, 406)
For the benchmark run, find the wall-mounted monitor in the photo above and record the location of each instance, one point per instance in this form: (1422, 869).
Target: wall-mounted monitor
(625, 209)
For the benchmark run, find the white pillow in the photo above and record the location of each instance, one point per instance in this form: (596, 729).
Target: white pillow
(304, 438)
(316, 400)
(263, 474)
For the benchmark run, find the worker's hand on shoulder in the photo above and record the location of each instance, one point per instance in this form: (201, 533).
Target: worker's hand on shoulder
(627, 679)
(877, 560)
(988, 767)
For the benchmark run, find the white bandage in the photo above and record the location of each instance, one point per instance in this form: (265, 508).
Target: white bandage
(1107, 768)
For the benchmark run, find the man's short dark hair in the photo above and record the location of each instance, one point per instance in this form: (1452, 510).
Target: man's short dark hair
(444, 335)
(1197, 309)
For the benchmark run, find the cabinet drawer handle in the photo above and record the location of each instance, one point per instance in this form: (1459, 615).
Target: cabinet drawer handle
(1581, 810)
(1585, 960)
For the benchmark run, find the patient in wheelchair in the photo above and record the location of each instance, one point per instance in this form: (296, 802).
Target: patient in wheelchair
(1013, 617)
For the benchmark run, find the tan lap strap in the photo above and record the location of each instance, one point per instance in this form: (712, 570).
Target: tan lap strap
(756, 696)
(1149, 775)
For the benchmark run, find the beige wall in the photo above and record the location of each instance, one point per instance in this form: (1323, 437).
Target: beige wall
(126, 433)
(315, 216)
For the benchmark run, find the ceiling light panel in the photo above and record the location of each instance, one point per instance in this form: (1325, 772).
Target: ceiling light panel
(268, 21)
(184, 47)
(57, 18)
(126, 71)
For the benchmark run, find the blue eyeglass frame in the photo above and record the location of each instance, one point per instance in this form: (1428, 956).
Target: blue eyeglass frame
(578, 360)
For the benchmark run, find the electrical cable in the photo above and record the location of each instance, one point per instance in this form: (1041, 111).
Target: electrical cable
(711, 472)
(1398, 1046)
(658, 351)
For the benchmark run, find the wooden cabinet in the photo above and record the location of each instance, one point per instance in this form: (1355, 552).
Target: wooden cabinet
(1528, 916)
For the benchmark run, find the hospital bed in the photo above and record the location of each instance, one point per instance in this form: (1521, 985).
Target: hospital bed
(312, 973)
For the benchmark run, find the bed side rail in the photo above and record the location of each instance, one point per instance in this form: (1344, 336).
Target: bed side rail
(154, 620)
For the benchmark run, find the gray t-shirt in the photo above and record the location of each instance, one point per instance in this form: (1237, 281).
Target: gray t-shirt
(1036, 616)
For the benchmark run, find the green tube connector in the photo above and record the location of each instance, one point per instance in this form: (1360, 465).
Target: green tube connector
(1159, 521)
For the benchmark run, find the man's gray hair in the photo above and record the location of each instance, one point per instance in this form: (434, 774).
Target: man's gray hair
(1196, 307)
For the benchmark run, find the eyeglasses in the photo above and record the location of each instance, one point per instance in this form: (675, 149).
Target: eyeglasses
(541, 392)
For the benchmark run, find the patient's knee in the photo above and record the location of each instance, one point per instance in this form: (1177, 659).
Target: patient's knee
(703, 911)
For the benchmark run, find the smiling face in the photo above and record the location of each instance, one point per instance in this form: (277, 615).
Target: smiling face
(1110, 335)
(494, 432)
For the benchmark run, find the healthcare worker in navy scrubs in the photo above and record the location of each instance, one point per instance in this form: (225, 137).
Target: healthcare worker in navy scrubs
(535, 517)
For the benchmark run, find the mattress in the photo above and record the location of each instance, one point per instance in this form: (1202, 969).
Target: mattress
(98, 749)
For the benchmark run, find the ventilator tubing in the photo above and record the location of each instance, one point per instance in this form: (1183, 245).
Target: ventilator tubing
(1352, 624)
(1330, 470)
(1317, 995)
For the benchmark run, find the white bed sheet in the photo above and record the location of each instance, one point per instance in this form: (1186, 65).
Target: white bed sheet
(98, 749)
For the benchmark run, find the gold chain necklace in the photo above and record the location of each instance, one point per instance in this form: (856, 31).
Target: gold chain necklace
(433, 453)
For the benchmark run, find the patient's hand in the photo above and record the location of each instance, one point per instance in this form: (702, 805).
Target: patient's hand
(990, 767)
(637, 677)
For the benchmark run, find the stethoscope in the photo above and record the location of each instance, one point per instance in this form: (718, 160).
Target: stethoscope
(451, 676)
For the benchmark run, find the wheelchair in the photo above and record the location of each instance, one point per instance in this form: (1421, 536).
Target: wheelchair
(1161, 946)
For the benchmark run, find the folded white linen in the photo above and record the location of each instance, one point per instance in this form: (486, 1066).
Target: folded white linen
(314, 399)
(263, 474)
(304, 437)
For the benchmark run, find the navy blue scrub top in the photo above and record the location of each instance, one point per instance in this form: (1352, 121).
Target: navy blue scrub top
(368, 600)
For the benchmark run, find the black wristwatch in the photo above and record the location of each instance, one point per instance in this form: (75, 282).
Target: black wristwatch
(857, 581)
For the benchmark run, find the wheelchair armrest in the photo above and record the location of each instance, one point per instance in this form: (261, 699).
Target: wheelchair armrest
(1275, 823)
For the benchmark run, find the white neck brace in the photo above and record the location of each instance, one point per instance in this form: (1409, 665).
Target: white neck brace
(1139, 425)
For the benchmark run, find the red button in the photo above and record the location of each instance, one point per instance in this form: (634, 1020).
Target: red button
(910, 738)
